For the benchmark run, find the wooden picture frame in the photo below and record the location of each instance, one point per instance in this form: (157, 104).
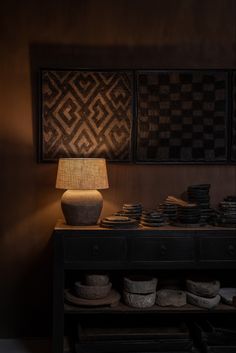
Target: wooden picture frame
(182, 116)
(86, 113)
(233, 120)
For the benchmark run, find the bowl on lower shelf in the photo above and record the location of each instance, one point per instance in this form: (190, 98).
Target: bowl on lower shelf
(96, 279)
(139, 300)
(92, 292)
(204, 288)
(140, 284)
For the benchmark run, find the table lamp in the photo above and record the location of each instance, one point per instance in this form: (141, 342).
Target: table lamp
(82, 202)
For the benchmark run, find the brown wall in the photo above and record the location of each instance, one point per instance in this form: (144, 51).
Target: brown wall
(104, 33)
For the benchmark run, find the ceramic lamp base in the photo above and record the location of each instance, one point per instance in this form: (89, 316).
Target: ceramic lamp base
(81, 207)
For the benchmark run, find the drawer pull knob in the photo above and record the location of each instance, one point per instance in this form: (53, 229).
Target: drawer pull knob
(163, 250)
(95, 250)
(231, 249)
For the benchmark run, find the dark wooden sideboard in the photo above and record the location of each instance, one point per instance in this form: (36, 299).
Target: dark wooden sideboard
(78, 249)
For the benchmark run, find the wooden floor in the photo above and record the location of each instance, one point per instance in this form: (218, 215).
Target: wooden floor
(24, 346)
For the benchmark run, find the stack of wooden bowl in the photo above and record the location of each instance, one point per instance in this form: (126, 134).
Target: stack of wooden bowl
(95, 286)
(140, 291)
(203, 292)
(95, 290)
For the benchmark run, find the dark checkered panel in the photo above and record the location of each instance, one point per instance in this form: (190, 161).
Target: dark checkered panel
(86, 114)
(233, 148)
(182, 116)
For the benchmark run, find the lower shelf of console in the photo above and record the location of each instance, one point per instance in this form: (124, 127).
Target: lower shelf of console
(122, 309)
(150, 334)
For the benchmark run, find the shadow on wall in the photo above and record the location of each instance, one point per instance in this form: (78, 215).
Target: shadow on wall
(19, 185)
(25, 346)
(25, 246)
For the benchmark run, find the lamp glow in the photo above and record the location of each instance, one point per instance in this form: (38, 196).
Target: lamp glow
(82, 202)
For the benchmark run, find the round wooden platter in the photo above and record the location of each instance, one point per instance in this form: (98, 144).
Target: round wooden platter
(112, 299)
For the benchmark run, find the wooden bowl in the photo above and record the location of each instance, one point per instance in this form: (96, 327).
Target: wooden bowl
(139, 300)
(140, 284)
(203, 302)
(96, 279)
(171, 297)
(92, 292)
(203, 288)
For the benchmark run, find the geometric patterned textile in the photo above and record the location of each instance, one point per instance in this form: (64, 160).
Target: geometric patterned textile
(182, 116)
(233, 142)
(86, 114)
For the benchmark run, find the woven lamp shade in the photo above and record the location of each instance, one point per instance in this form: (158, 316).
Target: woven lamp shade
(82, 174)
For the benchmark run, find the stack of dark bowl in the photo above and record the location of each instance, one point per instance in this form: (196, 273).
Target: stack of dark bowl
(169, 210)
(199, 194)
(189, 215)
(227, 210)
(132, 210)
(152, 218)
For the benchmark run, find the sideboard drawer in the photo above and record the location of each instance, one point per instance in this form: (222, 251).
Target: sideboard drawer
(95, 249)
(180, 249)
(218, 249)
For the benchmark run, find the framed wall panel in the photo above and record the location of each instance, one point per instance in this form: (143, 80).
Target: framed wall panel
(86, 113)
(182, 116)
(233, 137)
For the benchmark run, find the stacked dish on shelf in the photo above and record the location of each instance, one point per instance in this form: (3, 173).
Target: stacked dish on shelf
(169, 210)
(227, 212)
(96, 290)
(228, 295)
(152, 218)
(189, 215)
(199, 194)
(140, 291)
(203, 293)
(94, 287)
(131, 210)
(119, 222)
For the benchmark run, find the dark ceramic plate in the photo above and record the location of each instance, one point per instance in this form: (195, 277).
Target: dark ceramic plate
(138, 204)
(200, 186)
(188, 225)
(149, 224)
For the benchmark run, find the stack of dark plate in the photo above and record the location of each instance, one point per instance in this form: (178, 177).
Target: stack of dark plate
(169, 210)
(227, 210)
(189, 216)
(118, 222)
(132, 210)
(152, 218)
(199, 194)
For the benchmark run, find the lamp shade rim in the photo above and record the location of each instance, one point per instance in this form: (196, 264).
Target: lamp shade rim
(80, 158)
(71, 188)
